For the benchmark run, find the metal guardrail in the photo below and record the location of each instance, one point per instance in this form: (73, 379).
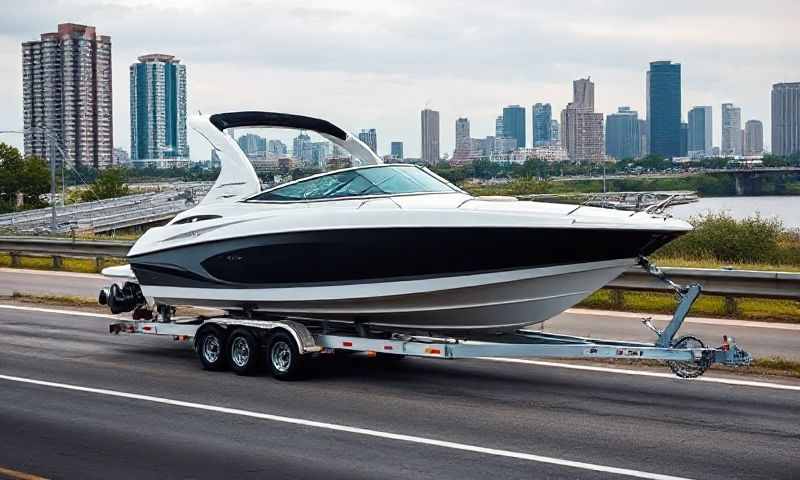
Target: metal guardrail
(728, 283)
(64, 247)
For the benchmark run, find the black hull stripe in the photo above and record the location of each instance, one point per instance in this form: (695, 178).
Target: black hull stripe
(354, 256)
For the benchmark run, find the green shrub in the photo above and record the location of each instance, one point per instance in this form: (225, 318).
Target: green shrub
(751, 240)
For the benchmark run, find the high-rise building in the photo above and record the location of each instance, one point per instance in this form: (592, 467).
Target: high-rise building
(467, 149)
(644, 138)
(498, 127)
(300, 148)
(731, 130)
(253, 146)
(66, 88)
(276, 147)
(462, 134)
(158, 108)
(753, 137)
(684, 149)
(622, 134)
(514, 124)
(664, 108)
(370, 137)
(542, 124)
(786, 118)
(700, 132)
(582, 128)
(397, 150)
(555, 132)
(430, 136)
(583, 94)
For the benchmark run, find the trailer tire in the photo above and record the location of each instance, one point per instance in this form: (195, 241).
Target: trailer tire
(242, 350)
(285, 361)
(210, 346)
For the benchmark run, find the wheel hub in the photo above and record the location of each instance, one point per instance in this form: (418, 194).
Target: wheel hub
(240, 352)
(281, 356)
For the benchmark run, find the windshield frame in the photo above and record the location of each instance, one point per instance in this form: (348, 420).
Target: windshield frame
(425, 170)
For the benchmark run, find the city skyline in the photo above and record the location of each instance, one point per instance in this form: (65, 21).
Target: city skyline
(402, 79)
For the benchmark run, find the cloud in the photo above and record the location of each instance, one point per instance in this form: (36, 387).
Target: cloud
(376, 63)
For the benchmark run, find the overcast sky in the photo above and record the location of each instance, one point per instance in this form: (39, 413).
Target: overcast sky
(377, 63)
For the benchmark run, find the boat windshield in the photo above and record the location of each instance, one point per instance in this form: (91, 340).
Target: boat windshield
(381, 180)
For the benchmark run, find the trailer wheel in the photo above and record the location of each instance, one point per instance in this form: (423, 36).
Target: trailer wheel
(691, 369)
(210, 345)
(243, 351)
(284, 357)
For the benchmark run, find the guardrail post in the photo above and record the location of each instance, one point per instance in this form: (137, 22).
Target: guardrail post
(98, 264)
(15, 261)
(617, 298)
(58, 262)
(731, 307)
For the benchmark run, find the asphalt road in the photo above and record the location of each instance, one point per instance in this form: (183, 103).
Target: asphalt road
(782, 340)
(510, 416)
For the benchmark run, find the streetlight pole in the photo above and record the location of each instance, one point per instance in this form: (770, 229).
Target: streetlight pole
(53, 223)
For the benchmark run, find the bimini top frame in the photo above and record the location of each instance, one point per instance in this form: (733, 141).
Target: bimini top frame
(237, 177)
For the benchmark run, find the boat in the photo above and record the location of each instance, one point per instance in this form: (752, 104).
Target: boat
(387, 247)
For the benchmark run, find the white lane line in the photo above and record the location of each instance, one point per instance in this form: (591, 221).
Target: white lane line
(348, 429)
(624, 371)
(29, 271)
(76, 313)
(699, 320)
(704, 378)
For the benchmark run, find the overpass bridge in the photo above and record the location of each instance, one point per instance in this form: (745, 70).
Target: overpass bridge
(747, 177)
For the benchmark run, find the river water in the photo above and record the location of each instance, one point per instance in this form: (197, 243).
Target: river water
(786, 208)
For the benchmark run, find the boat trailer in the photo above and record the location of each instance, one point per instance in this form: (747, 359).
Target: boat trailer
(235, 342)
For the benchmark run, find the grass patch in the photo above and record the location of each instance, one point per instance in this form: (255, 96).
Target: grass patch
(79, 265)
(706, 305)
(68, 300)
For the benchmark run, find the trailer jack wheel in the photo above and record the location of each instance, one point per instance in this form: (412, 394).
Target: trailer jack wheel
(691, 369)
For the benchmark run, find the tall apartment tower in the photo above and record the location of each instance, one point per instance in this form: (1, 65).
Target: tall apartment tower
(514, 124)
(581, 127)
(430, 136)
(498, 127)
(158, 108)
(583, 94)
(753, 137)
(66, 90)
(622, 134)
(786, 118)
(542, 124)
(555, 132)
(731, 130)
(462, 134)
(397, 150)
(370, 137)
(664, 108)
(700, 132)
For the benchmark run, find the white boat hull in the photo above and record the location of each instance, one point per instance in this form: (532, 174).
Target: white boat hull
(496, 301)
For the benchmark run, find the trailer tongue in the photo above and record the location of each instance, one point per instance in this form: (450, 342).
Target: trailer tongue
(238, 343)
